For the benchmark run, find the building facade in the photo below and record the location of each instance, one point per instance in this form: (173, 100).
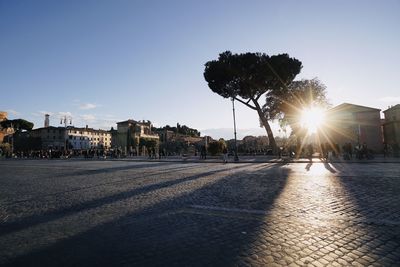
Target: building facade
(131, 134)
(51, 138)
(355, 124)
(71, 138)
(88, 138)
(391, 126)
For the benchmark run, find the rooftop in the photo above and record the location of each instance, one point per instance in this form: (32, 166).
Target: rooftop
(353, 108)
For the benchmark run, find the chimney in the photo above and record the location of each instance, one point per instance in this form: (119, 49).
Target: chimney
(46, 120)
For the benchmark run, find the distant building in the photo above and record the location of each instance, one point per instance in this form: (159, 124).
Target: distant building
(75, 138)
(391, 125)
(4, 131)
(355, 124)
(170, 136)
(166, 135)
(130, 132)
(88, 138)
(47, 120)
(51, 138)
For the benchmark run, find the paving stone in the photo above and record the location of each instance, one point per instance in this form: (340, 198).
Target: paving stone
(362, 261)
(336, 264)
(268, 259)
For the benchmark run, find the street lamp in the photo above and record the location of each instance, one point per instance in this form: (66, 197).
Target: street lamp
(12, 140)
(65, 120)
(234, 129)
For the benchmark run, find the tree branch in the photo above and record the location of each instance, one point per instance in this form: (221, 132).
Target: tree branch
(245, 103)
(258, 97)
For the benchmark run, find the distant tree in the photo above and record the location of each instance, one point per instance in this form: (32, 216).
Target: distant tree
(17, 124)
(5, 149)
(148, 143)
(179, 129)
(299, 95)
(216, 147)
(246, 77)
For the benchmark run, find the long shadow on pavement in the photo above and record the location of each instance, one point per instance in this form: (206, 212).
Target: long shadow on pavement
(94, 171)
(22, 223)
(173, 232)
(375, 199)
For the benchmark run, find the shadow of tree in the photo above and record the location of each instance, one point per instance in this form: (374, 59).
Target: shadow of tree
(374, 215)
(25, 222)
(173, 232)
(110, 171)
(118, 168)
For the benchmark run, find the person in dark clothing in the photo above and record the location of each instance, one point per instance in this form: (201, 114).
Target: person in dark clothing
(225, 155)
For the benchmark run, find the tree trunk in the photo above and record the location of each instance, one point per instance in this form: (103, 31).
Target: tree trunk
(267, 127)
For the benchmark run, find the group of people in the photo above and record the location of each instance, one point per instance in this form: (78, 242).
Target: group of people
(57, 154)
(328, 151)
(37, 154)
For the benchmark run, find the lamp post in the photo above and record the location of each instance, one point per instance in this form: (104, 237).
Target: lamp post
(234, 129)
(12, 140)
(65, 120)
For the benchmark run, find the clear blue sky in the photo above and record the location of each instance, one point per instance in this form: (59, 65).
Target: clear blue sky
(105, 61)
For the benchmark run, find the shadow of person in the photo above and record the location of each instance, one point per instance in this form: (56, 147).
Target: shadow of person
(308, 166)
(329, 167)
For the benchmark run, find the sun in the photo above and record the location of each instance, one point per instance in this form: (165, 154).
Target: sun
(312, 119)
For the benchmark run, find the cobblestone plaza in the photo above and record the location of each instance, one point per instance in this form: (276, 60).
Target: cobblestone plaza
(126, 213)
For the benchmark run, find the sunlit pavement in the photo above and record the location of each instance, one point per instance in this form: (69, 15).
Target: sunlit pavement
(125, 213)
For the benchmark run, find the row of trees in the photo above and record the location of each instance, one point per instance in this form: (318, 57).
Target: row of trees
(17, 124)
(179, 129)
(265, 84)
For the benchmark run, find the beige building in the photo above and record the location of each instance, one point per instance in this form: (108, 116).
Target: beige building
(58, 138)
(355, 124)
(391, 125)
(130, 132)
(88, 138)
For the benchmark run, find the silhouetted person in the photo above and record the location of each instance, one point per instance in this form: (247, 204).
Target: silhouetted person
(203, 153)
(225, 154)
(364, 150)
(385, 149)
(310, 151)
(350, 150)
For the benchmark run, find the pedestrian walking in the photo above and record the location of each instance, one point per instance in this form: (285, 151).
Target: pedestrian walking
(225, 155)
